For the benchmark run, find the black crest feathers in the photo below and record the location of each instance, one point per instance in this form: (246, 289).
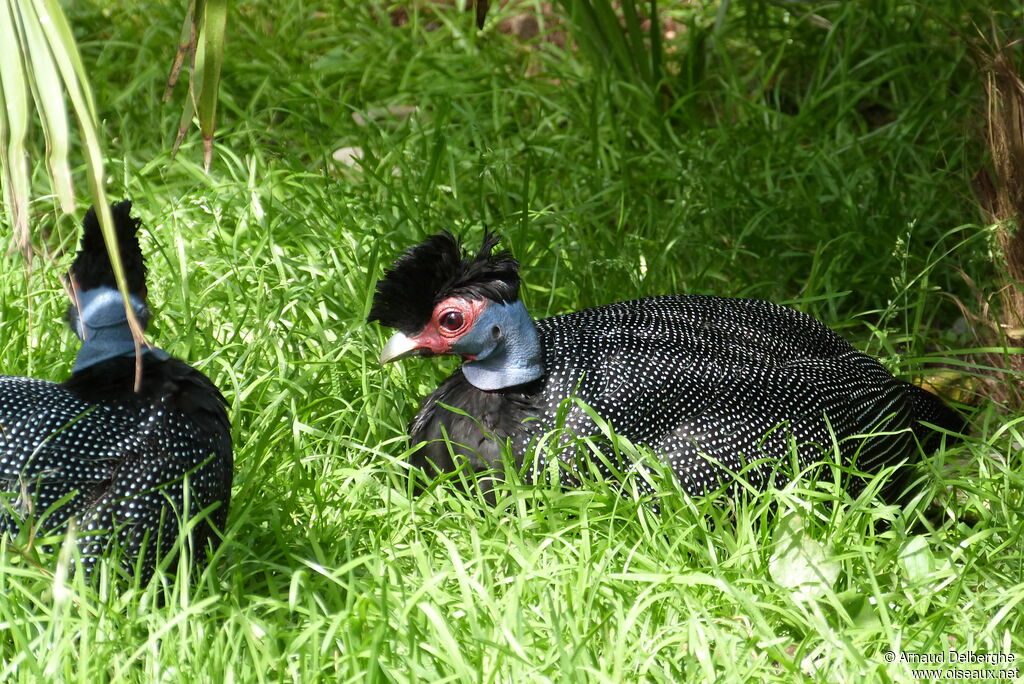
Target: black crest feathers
(92, 268)
(436, 269)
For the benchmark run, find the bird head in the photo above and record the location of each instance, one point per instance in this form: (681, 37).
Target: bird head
(96, 313)
(443, 301)
(93, 273)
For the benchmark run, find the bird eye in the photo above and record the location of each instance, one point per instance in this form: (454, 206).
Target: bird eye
(452, 320)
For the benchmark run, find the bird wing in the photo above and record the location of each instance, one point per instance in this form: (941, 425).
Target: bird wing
(710, 383)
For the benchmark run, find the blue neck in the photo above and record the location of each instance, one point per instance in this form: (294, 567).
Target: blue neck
(102, 325)
(505, 345)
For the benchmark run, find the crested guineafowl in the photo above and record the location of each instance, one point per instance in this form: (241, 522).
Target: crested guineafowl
(715, 386)
(100, 454)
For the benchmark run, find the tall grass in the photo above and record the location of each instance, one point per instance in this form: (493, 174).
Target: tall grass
(824, 165)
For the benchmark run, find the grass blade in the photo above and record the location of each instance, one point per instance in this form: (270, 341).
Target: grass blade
(202, 37)
(65, 52)
(186, 47)
(634, 40)
(209, 58)
(15, 100)
(49, 97)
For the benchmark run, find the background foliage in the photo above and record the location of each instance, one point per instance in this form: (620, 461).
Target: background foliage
(817, 155)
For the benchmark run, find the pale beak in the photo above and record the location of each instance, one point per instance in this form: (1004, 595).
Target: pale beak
(398, 347)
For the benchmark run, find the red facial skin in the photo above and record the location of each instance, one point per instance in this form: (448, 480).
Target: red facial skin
(445, 326)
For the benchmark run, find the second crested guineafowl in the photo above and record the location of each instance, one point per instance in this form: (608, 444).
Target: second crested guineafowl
(714, 386)
(94, 452)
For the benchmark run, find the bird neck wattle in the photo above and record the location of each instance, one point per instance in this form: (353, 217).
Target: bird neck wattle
(101, 323)
(505, 345)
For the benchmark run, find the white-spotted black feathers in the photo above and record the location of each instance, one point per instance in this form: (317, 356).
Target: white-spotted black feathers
(120, 463)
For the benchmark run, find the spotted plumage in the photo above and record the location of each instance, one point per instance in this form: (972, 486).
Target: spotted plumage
(714, 386)
(94, 452)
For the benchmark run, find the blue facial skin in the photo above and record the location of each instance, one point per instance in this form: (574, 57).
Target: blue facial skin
(102, 325)
(505, 344)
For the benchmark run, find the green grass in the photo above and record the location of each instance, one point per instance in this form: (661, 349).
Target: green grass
(826, 168)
